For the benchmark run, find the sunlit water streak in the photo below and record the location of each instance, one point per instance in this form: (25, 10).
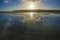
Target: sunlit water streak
(32, 16)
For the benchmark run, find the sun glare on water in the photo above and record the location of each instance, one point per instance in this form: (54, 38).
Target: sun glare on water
(30, 5)
(30, 15)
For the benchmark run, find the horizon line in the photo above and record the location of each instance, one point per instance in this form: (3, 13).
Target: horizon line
(35, 10)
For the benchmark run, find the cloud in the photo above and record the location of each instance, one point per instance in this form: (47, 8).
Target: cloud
(6, 1)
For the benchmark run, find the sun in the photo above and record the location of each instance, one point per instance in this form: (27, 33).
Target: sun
(31, 5)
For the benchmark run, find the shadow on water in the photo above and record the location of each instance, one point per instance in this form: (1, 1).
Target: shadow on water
(19, 26)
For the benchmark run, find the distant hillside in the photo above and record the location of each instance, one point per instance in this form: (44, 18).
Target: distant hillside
(38, 10)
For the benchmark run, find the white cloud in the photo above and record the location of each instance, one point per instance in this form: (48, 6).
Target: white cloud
(6, 1)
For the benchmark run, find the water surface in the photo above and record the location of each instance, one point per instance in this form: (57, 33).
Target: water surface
(27, 26)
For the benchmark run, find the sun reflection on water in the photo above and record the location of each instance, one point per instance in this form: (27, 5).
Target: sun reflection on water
(31, 17)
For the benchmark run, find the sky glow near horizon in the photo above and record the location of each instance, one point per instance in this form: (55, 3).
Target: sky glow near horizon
(16, 4)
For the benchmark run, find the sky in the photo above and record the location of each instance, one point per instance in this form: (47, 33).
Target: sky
(14, 4)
